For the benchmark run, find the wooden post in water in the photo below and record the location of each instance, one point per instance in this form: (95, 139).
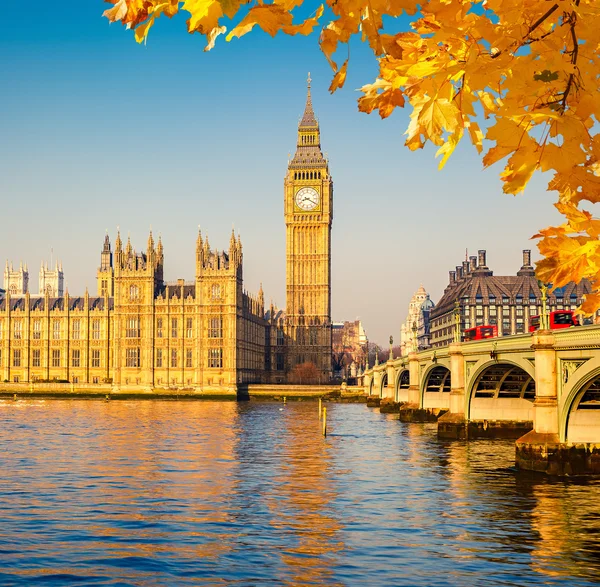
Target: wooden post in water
(324, 421)
(320, 408)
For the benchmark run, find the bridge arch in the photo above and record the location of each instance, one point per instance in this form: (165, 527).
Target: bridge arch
(402, 385)
(579, 418)
(435, 390)
(501, 390)
(371, 386)
(383, 383)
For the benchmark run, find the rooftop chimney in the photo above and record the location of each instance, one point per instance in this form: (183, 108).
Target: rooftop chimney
(459, 272)
(473, 263)
(452, 277)
(465, 266)
(482, 262)
(526, 269)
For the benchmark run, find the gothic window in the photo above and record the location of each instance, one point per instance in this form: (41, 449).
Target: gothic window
(189, 327)
(215, 358)
(519, 311)
(279, 363)
(132, 358)
(188, 358)
(76, 330)
(312, 336)
(492, 310)
(216, 291)
(56, 357)
(104, 286)
(13, 289)
(18, 329)
(35, 358)
(134, 292)
(215, 328)
(96, 358)
(173, 358)
(133, 328)
(319, 175)
(159, 328)
(174, 328)
(17, 358)
(159, 358)
(96, 329)
(37, 329)
(75, 358)
(56, 329)
(280, 337)
(505, 311)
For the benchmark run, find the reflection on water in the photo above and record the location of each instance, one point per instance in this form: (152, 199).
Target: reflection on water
(199, 493)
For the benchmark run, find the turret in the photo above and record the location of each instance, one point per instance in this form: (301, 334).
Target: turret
(150, 247)
(106, 255)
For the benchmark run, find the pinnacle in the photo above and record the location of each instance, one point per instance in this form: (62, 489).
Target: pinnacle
(308, 118)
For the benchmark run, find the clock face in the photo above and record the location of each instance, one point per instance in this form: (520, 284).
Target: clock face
(307, 199)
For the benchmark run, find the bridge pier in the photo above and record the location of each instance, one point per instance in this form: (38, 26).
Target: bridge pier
(541, 449)
(453, 424)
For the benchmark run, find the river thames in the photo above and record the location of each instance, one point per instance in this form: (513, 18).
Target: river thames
(224, 493)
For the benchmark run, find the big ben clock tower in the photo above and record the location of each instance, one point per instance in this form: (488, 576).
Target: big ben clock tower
(308, 211)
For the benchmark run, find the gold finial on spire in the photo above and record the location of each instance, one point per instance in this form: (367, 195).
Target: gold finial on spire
(308, 80)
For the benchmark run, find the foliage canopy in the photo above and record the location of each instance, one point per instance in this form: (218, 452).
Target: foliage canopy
(528, 68)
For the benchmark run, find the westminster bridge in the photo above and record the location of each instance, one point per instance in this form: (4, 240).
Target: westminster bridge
(542, 388)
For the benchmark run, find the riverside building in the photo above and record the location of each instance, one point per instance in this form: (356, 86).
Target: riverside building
(206, 334)
(508, 302)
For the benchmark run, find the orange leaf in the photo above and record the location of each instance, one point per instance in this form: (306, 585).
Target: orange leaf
(339, 78)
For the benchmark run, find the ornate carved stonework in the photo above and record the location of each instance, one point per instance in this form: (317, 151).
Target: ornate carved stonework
(468, 369)
(569, 367)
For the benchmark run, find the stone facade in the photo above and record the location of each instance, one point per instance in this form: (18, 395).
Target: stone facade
(348, 346)
(419, 310)
(507, 302)
(207, 334)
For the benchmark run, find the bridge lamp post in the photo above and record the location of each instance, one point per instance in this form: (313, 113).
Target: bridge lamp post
(367, 354)
(456, 320)
(544, 325)
(414, 331)
(391, 348)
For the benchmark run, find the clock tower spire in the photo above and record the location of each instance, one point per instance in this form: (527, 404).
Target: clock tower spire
(308, 211)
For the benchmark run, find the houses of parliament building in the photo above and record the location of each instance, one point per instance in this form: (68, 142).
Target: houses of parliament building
(207, 334)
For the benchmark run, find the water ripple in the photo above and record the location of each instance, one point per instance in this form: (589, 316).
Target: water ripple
(182, 493)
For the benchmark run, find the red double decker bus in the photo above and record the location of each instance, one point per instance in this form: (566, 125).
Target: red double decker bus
(480, 332)
(557, 319)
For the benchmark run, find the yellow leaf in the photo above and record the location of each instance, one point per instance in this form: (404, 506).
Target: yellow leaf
(448, 147)
(476, 136)
(269, 17)
(141, 32)
(117, 12)
(437, 116)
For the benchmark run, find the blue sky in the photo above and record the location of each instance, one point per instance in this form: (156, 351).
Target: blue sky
(97, 131)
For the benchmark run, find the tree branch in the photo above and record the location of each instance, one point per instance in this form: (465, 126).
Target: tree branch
(534, 26)
(574, 54)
